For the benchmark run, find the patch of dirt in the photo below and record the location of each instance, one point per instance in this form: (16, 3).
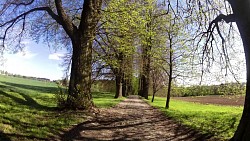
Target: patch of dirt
(133, 120)
(215, 99)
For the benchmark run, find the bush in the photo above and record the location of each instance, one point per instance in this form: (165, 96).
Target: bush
(61, 97)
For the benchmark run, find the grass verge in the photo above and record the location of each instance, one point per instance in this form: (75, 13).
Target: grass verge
(220, 121)
(28, 110)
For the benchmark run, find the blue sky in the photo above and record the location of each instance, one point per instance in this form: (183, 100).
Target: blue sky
(36, 60)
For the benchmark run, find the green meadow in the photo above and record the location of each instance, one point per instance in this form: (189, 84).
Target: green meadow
(28, 112)
(28, 109)
(219, 121)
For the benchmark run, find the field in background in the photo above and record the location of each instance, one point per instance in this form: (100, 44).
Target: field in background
(220, 121)
(204, 90)
(230, 100)
(28, 109)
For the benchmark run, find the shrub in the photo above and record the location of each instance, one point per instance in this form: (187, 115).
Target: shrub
(61, 97)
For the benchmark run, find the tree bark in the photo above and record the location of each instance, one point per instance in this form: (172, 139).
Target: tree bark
(241, 13)
(79, 93)
(145, 76)
(130, 86)
(124, 87)
(169, 92)
(140, 88)
(118, 81)
(153, 96)
(170, 77)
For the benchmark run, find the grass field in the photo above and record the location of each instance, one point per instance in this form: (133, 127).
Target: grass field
(220, 121)
(28, 109)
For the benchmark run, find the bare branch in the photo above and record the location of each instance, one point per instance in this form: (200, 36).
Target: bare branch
(65, 20)
(22, 3)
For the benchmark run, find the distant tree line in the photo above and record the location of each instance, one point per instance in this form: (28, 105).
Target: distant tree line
(204, 90)
(2, 72)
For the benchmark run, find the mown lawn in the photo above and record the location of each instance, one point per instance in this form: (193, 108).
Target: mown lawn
(220, 121)
(28, 109)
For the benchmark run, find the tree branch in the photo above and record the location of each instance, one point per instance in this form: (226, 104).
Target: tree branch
(65, 20)
(20, 17)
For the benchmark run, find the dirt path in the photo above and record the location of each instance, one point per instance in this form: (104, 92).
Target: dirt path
(134, 120)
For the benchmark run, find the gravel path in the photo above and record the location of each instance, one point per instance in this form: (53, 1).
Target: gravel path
(134, 120)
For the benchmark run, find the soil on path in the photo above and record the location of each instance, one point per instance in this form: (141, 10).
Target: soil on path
(134, 120)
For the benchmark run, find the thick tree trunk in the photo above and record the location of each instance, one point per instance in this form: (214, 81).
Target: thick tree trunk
(145, 87)
(79, 93)
(124, 86)
(118, 82)
(140, 85)
(242, 12)
(130, 86)
(80, 79)
(145, 76)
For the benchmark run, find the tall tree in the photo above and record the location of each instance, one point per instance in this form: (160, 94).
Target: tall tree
(238, 12)
(177, 52)
(116, 42)
(77, 20)
(240, 15)
(147, 37)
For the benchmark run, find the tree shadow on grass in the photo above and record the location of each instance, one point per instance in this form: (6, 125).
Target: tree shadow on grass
(27, 101)
(4, 137)
(41, 89)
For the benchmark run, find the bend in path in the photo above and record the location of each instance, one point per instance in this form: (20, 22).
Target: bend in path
(134, 120)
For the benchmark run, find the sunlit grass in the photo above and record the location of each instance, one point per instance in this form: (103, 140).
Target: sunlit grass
(28, 110)
(220, 121)
(104, 100)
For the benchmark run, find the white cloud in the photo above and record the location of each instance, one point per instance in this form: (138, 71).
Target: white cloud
(33, 60)
(56, 56)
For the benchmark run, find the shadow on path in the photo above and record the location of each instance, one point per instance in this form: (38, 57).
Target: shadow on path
(134, 120)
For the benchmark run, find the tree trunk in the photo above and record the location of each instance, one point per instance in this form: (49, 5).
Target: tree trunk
(118, 82)
(80, 79)
(129, 86)
(140, 85)
(79, 93)
(153, 96)
(169, 92)
(145, 77)
(241, 12)
(124, 86)
(145, 87)
(170, 77)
